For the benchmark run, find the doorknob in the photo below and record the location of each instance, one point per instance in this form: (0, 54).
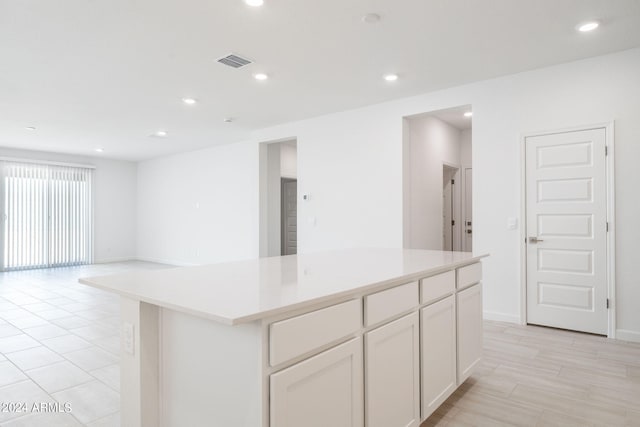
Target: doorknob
(535, 240)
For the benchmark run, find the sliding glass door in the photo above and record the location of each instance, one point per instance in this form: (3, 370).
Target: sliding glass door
(46, 215)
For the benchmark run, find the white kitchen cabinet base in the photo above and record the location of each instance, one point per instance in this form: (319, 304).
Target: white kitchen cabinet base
(469, 311)
(238, 345)
(325, 390)
(392, 367)
(438, 329)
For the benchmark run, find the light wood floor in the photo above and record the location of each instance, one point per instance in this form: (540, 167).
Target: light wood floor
(535, 376)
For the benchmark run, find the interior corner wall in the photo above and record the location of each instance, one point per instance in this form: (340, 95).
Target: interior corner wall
(465, 148)
(114, 202)
(274, 175)
(200, 207)
(432, 143)
(351, 166)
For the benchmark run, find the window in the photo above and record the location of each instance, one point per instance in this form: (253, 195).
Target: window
(46, 215)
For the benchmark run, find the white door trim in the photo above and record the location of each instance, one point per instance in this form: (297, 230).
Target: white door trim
(611, 244)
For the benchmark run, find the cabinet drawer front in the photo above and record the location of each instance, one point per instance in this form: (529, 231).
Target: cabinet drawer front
(386, 304)
(469, 275)
(436, 287)
(298, 335)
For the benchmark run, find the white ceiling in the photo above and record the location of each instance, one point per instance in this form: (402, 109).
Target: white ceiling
(108, 73)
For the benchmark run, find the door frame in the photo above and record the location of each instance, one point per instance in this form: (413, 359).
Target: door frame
(610, 207)
(464, 207)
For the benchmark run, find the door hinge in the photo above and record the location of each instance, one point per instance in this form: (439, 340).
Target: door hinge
(607, 226)
(606, 150)
(453, 222)
(607, 302)
(453, 181)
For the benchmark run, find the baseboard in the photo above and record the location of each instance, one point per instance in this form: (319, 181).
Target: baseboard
(500, 317)
(111, 260)
(166, 261)
(627, 335)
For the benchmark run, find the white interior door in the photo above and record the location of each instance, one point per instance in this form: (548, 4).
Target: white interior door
(566, 229)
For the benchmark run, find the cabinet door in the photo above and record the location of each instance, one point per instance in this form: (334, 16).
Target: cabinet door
(393, 374)
(469, 331)
(325, 390)
(438, 329)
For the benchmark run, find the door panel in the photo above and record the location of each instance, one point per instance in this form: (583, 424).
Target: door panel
(566, 214)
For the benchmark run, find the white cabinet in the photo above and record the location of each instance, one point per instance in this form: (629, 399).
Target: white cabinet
(324, 390)
(392, 374)
(388, 373)
(469, 303)
(438, 329)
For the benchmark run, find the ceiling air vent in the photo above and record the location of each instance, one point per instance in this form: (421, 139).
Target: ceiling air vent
(234, 61)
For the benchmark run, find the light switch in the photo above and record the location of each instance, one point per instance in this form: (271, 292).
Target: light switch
(128, 337)
(512, 223)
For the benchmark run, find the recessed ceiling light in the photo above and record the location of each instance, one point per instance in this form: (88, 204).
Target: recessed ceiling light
(254, 3)
(228, 119)
(161, 133)
(468, 114)
(391, 77)
(371, 18)
(260, 76)
(30, 128)
(189, 101)
(588, 26)
(99, 150)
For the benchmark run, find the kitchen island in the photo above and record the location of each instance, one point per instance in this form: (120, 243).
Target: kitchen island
(346, 338)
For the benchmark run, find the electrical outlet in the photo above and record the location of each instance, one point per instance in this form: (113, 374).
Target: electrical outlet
(128, 337)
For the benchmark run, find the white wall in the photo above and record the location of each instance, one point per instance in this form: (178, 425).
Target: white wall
(432, 143)
(199, 207)
(288, 160)
(114, 192)
(274, 200)
(351, 165)
(465, 147)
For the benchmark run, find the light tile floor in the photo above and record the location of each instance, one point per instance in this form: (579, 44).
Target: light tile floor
(59, 342)
(535, 376)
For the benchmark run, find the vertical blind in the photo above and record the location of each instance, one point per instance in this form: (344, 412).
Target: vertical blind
(46, 215)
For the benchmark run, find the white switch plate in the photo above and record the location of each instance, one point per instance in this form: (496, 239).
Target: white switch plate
(128, 337)
(512, 223)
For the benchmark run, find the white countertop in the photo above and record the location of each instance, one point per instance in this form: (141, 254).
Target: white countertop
(244, 291)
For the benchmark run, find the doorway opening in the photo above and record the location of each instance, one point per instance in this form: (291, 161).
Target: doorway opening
(437, 180)
(279, 198)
